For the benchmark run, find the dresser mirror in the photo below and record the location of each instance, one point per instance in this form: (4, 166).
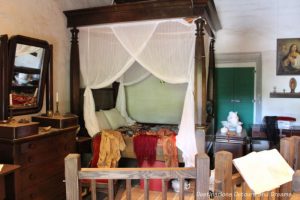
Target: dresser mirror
(28, 66)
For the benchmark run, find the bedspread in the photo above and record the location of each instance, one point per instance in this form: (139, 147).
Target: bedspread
(164, 142)
(129, 151)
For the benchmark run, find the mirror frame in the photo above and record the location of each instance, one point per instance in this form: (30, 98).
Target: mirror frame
(3, 77)
(19, 39)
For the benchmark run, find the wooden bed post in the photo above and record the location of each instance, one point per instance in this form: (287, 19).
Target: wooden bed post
(296, 181)
(200, 64)
(223, 175)
(74, 72)
(296, 141)
(202, 177)
(72, 166)
(211, 83)
(287, 150)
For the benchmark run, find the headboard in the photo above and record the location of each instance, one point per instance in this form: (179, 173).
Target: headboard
(105, 99)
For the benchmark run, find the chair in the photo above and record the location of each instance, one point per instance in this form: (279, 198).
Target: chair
(258, 139)
(273, 131)
(284, 123)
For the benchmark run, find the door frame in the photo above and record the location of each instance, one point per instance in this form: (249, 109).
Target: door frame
(254, 59)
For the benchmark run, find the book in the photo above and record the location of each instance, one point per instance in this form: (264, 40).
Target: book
(264, 171)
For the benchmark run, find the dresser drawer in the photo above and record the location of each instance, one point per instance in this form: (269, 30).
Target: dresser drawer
(39, 151)
(52, 189)
(34, 152)
(41, 145)
(33, 175)
(35, 158)
(47, 143)
(42, 163)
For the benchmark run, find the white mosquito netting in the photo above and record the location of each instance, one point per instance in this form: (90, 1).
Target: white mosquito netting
(128, 53)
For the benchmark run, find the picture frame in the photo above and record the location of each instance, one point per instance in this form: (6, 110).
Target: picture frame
(288, 56)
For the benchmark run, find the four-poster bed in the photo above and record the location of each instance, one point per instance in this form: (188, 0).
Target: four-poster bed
(206, 21)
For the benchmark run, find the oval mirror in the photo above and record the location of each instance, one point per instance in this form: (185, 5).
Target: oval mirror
(28, 66)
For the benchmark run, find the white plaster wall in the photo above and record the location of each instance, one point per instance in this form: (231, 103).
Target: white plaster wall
(254, 26)
(79, 4)
(42, 19)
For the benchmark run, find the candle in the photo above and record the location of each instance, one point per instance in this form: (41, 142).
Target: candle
(10, 99)
(35, 92)
(56, 96)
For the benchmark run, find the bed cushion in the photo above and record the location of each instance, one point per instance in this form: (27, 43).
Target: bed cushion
(115, 119)
(102, 120)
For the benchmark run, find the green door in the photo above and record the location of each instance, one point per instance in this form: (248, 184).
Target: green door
(235, 92)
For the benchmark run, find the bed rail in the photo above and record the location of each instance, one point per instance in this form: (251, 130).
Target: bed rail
(74, 172)
(226, 183)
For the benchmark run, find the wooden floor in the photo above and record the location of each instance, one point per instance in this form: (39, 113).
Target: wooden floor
(138, 194)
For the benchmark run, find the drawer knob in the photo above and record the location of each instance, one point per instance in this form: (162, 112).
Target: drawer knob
(31, 146)
(32, 196)
(30, 159)
(31, 176)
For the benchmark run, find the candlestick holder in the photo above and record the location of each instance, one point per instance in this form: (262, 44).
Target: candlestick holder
(49, 113)
(10, 118)
(57, 110)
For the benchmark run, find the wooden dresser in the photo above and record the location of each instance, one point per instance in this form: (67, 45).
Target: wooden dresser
(41, 158)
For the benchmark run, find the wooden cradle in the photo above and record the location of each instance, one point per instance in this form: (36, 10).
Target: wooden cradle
(224, 183)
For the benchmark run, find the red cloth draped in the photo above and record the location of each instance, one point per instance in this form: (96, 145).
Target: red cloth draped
(145, 148)
(96, 150)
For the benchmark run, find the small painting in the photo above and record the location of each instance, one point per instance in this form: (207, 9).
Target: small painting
(288, 56)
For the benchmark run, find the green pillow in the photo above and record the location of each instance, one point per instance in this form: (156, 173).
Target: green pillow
(102, 120)
(115, 119)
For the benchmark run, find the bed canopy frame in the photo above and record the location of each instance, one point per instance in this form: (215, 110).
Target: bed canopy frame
(150, 10)
(203, 11)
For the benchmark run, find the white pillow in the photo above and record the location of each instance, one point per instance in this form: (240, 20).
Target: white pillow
(115, 119)
(102, 120)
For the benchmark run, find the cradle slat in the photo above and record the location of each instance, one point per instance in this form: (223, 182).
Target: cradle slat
(93, 189)
(128, 189)
(164, 190)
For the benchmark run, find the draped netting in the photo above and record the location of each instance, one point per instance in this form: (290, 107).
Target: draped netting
(128, 53)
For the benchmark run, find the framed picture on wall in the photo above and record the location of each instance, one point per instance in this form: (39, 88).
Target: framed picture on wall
(288, 56)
